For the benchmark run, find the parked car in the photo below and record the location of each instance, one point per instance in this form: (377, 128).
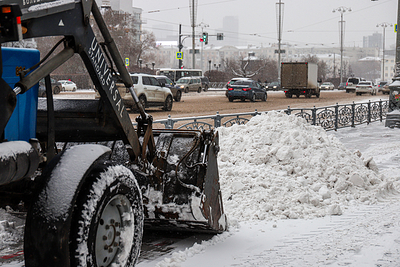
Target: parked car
(176, 92)
(67, 85)
(188, 84)
(327, 86)
(273, 86)
(365, 87)
(55, 87)
(247, 89)
(149, 91)
(342, 86)
(383, 87)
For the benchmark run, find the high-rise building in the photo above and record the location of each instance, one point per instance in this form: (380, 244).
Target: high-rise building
(230, 30)
(124, 6)
(374, 40)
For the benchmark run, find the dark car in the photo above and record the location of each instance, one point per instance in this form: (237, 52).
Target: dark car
(342, 86)
(273, 86)
(176, 92)
(247, 89)
(232, 81)
(383, 87)
(55, 86)
(205, 83)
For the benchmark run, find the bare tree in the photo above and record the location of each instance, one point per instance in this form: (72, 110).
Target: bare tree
(257, 69)
(323, 68)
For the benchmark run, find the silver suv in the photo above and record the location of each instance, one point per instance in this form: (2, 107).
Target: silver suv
(149, 91)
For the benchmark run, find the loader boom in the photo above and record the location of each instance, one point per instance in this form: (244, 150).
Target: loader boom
(79, 38)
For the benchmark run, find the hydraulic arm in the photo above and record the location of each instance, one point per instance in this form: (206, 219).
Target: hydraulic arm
(70, 19)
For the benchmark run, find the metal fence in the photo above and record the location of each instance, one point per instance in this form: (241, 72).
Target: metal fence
(330, 118)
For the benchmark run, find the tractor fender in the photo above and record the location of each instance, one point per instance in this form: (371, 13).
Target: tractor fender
(49, 216)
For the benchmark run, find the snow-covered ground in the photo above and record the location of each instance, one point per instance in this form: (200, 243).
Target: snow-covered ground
(296, 195)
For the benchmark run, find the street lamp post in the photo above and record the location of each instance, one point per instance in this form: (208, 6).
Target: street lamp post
(279, 10)
(341, 9)
(384, 25)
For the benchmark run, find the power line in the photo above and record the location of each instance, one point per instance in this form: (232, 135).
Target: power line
(186, 7)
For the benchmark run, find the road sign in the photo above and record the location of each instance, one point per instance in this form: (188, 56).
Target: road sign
(179, 55)
(126, 61)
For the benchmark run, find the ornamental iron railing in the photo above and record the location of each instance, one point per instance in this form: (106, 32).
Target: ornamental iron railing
(330, 117)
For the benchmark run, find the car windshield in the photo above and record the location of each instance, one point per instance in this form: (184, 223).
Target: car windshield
(243, 83)
(183, 81)
(353, 80)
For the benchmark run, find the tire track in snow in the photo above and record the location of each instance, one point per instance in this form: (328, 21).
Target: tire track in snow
(342, 241)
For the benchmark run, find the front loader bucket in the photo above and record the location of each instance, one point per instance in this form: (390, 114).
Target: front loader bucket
(183, 191)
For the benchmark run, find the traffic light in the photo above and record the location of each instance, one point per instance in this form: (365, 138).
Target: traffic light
(205, 37)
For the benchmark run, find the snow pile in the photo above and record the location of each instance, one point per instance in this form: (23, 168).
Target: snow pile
(279, 166)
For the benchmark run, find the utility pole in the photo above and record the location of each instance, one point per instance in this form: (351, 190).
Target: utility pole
(193, 14)
(383, 25)
(180, 46)
(341, 9)
(279, 10)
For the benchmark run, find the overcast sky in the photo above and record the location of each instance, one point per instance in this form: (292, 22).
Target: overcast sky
(310, 22)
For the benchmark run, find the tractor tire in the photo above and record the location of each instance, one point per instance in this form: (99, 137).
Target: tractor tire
(178, 96)
(56, 90)
(107, 224)
(168, 103)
